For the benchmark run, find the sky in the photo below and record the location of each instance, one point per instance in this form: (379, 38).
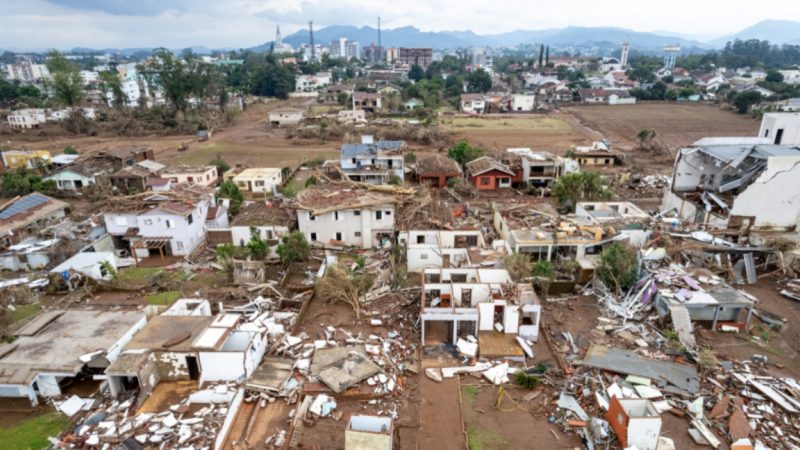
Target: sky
(64, 24)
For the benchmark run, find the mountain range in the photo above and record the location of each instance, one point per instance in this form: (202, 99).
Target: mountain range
(775, 31)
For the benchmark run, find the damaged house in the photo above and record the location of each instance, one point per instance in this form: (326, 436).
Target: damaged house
(352, 217)
(483, 303)
(440, 248)
(21, 217)
(542, 168)
(373, 162)
(166, 223)
(733, 186)
(437, 170)
(58, 347)
(190, 345)
(271, 220)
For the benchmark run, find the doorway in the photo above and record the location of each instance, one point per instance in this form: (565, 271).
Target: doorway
(192, 366)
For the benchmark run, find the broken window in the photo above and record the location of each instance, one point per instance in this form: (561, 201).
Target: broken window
(313, 236)
(458, 278)
(311, 216)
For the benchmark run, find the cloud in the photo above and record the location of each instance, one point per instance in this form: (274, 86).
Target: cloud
(243, 23)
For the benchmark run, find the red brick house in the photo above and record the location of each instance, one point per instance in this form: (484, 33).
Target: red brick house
(488, 174)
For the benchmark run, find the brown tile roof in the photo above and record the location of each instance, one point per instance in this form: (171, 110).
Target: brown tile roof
(437, 164)
(328, 198)
(264, 213)
(485, 164)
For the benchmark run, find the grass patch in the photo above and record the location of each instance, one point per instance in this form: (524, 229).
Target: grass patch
(25, 312)
(33, 433)
(136, 274)
(543, 123)
(482, 439)
(163, 298)
(469, 393)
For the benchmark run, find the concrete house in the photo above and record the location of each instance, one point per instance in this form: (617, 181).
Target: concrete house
(373, 162)
(351, 217)
(440, 248)
(539, 168)
(259, 179)
(367, 101)
(134, 178)
(160, 224)
(488, 174)
(473, 103)
(270, 220)
(597, 154)
(781, 128)
(523, 102)
(21, 217)
(731, 186)
(58, 346)
(461, 302)
(24, 159)
(84, 173)
(191, 174)
(27, 118)
(283, 117)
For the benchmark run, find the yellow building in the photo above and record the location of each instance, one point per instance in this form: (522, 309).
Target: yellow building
(28, 159)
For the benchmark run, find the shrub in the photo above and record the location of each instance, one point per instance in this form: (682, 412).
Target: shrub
(543, 268)
(525, 380)
(618, 266)
(294, 247)
(70, 150)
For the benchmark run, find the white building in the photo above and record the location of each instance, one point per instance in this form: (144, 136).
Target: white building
(27, 118)
(349, 217)
(781, 128)
(259, 179)
(27, 71)
(344, 48)
(311, 83)
(191, 174)
(731, 186)
(473, 103)
(285, 117)
(161, 224)
(523, 102)
(373, 162)
(439, 248)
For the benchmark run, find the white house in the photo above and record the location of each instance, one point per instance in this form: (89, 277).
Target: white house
(285, 117)
(373, 162)
(311, 83)
(781, 128)
(730, 186)
(352, 116)
(169, 223)
(439, 248)
(82, 174)
(523, 102)
(27, 118)
(621, 98)
(351, 217)
(473, 103)
(259, 179)
(191, 174)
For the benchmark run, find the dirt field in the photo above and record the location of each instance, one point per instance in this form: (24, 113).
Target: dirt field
(676, 124)
(551, 132)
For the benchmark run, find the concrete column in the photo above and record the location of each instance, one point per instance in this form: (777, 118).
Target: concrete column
(716, 314)
(455, 331)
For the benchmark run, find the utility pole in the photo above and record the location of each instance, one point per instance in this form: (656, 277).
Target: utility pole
(311, 34)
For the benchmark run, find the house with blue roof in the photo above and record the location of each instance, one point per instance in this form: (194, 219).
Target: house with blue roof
(373, 162)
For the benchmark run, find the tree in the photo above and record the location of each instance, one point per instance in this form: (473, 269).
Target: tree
(745, 100)
(294, 247)
(773, 76)
(574, 187)
(618, 267)
(230, 190)
(67, 84)
(518, 265)
(110, 82)
(463, 153)
(340, 285)
(416, 73)
(70, 150)
(220, 164)
(479, 81)
(645, 136)
(256, 246)
(641, 74)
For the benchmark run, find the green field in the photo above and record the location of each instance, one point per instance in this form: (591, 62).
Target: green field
(32, 434)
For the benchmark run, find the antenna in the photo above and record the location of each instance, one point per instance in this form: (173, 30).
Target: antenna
(380, 48)
(311, 34)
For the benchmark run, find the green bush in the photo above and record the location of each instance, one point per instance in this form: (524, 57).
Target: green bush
(525, 380)
(618, 266)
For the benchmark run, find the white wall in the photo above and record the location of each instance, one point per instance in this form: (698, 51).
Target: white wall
(348, 224)
(789, 122)
(522, 102)
(65, 180)
(774, 197)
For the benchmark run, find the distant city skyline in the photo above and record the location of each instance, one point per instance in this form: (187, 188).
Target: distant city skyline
(39, 24)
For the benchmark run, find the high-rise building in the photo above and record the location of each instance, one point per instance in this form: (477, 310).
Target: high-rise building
(391, 55)
(623, 59)
(416, 56)
(344, 48)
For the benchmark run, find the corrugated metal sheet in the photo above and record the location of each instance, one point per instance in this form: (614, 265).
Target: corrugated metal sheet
(23, 205)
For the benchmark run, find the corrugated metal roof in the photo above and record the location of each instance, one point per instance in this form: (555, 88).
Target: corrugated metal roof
(23, 205)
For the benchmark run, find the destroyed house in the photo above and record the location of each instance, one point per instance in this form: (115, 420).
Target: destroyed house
(437, 170)
(270, 220)
(182, 346)
(531, 232)
(352, 217)
(127, 156)
(483, 303)
(705, 300)
(23, 216)
(603, 212)
(373, 162)
(135, 178)
(57, 347)
(731, 186)
(440, 248)
(86, 172)
(597, 154)
(538, 168)
(166, 224)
